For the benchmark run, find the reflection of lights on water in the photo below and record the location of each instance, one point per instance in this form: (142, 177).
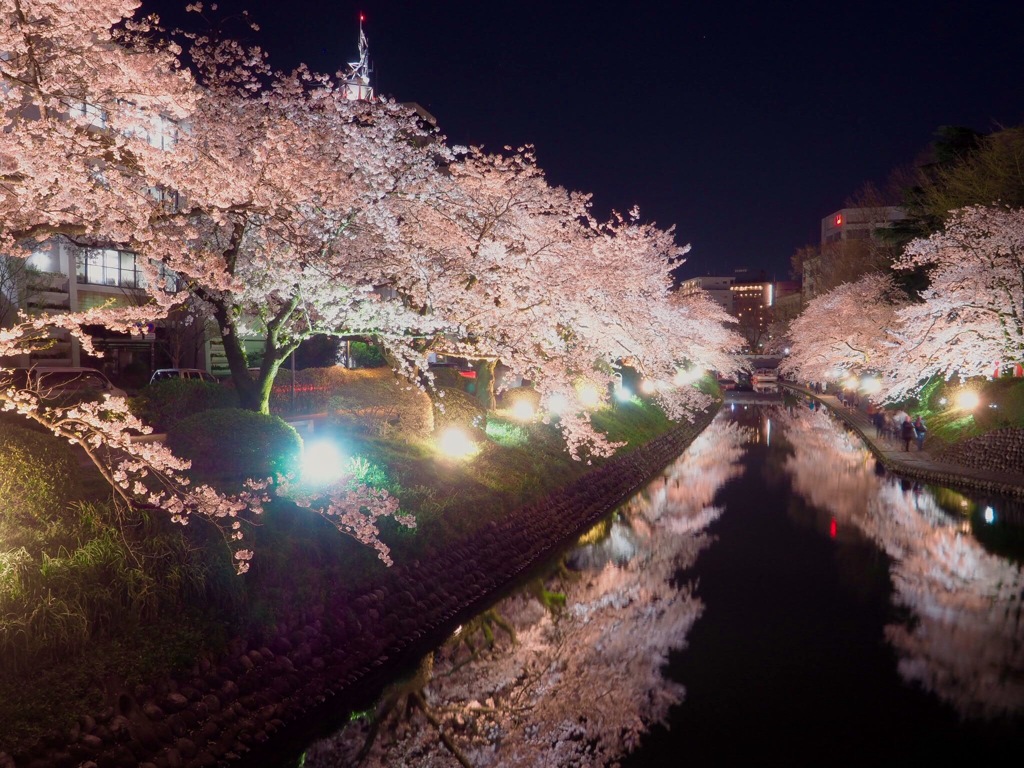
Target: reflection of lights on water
(321, 462)
(990, 515)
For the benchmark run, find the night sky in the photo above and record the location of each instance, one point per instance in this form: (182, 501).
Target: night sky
(741, 123)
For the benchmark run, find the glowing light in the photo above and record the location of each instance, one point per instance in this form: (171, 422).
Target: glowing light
(839, 219)
(850, 382)
(456, 444)
(648, 387)
(523, 410)
(322, 463)
(687, 376)
(833, 528)
(967, 399)
(622, 394)
(557, 403)
(870, 385)
(943, 401)
(589, 396)
(990, 515)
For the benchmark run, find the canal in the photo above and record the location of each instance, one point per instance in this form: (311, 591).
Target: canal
(772, 598)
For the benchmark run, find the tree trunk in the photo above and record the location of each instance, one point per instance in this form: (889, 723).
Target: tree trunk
(485, 383)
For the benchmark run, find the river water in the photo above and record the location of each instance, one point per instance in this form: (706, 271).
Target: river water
(773, 598)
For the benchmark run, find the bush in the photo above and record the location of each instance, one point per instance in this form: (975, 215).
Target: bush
(36, 484)
(233, 441)
(367, 355)
(164, 403)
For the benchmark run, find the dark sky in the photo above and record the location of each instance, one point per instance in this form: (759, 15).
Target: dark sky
(741, 123)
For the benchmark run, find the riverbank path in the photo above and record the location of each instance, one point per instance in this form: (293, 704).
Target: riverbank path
(915, 463)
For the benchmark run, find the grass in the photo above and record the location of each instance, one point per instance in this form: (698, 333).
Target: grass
(1001, 405)
(86, 611)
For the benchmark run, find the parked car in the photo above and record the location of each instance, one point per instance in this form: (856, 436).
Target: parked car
(53, 382)
(188, 374)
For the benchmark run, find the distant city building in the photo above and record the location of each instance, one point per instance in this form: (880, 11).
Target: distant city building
(858, 223)
(750, 297)
(718, 288)
(850, 246)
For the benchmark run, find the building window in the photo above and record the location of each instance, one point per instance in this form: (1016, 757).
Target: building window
(105, 266)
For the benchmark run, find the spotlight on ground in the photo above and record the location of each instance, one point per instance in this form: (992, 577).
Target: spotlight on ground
(455, 443)
(523, 410)
(967, 399)
(589, 396)
(322, 462)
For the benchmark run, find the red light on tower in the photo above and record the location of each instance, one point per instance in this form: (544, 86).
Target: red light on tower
(839, 219)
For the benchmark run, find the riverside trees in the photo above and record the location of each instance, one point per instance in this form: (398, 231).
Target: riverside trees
(968, 320)
(289, 210)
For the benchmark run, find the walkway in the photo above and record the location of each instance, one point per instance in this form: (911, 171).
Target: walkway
(922, 465)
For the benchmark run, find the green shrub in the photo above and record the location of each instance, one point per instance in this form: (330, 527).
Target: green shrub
(166, 402)
(36, 484)
(367, 355)
(233, 441)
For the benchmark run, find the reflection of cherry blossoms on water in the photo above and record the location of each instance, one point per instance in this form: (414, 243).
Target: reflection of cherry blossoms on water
(965, 641)
(574, 684)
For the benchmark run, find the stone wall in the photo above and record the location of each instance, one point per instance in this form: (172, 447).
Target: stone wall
(1001, 450)
(226, 710)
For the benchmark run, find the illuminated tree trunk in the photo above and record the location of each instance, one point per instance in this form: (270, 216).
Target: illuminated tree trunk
(485, 383)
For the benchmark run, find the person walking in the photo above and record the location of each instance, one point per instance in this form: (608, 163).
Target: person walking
(920, 430)
(878, 419)
(907, 433)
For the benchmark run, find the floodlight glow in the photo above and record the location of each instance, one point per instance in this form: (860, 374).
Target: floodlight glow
(322, 463)
(870, 385)
(622, 394)
(850, 382)
(684, 377)
(648, 386)
(523, 410)
(557, 403)
(990, 515)
(455, 443)
(967, 399)
(589, 396)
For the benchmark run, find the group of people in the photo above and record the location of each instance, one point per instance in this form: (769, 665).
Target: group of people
(898, 425)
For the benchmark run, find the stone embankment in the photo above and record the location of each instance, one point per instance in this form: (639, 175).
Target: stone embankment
(225, 708)
(1001, 450)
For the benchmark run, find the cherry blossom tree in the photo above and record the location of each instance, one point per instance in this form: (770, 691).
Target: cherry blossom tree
(971, 317)
(847, 329)
(577, 686)
(525, 275)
